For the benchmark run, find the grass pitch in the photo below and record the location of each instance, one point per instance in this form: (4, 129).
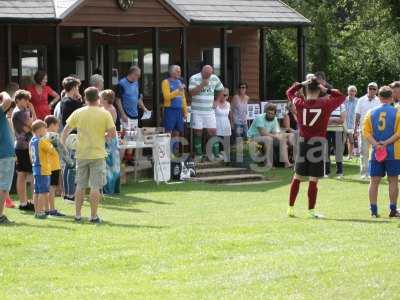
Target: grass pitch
(195, 241)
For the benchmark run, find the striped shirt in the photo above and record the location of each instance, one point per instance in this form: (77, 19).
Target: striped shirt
(351, 112)
(203, 102)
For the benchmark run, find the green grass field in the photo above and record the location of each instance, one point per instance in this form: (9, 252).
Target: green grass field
(194, 241)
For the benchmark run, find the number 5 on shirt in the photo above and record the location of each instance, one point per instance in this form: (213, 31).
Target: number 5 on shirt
(316, 112)
(382, 121)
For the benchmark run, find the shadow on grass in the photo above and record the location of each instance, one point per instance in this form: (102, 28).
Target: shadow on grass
(126, 197)
(44, 226)
(277, 178)
(358, 221)
(112, 224)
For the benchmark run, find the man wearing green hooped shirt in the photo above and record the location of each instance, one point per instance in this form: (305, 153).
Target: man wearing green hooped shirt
(202, 88)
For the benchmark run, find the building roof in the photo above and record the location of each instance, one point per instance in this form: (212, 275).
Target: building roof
(263, 12)
(30, 9)
(260, 12)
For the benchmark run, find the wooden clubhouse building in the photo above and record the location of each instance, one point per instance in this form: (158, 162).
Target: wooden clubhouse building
(83, 37)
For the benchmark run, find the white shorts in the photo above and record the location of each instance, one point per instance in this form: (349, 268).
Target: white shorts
(203, 121)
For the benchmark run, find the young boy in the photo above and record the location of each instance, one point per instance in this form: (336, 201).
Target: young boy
(53, 126)
(22, 118)
(41, 151)
(313, 114)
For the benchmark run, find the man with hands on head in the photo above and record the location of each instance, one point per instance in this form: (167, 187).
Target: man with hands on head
(313, 113)
(202, 88)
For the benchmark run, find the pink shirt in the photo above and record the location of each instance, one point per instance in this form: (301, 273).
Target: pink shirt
(41, 101)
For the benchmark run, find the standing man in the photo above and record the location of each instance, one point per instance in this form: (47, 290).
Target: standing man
(396, 92)
(175, 107)
(350, 104)
(129, 99)
(7, 155)
(382, 130)
(364, 104)
(336, 139)
(203, 87)
(94, 124)
(313, 112)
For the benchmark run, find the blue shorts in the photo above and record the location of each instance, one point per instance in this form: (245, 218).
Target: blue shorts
(42, 184)
(173, 119)
(6, 173)
(381, 169)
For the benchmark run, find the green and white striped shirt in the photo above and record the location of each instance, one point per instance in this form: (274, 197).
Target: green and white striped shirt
(203, 102)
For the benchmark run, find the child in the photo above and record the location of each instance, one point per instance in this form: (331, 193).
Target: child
(222, 110)
(41, 152)
(22, 118)
(53, 126)
(107, 98)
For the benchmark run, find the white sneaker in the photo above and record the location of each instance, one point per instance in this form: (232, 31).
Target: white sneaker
(339, 176)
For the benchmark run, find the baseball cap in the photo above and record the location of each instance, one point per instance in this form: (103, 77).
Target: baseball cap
(374, 84)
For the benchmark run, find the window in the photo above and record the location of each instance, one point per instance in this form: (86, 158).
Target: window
(212, 57)
(124, 59)
(31, 59)
(147, 77)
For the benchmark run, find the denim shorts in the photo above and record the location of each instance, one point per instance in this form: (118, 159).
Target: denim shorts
(7, 166)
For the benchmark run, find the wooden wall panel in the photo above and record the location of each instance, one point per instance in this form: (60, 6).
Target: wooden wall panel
(245, 38)
(106, 13)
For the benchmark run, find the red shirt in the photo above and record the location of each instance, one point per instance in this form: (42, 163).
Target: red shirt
(41, 101)
(313, 115)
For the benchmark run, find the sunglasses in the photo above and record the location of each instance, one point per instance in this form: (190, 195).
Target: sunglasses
(243, 87)
(372, 88)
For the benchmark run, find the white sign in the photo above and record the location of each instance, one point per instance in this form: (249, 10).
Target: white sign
(253, 111)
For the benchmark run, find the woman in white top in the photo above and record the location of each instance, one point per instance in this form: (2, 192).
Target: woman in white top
(222, 110)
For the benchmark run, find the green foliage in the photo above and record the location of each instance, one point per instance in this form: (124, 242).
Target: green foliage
(354, 42)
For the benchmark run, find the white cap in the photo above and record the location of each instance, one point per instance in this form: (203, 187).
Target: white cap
(374, 84)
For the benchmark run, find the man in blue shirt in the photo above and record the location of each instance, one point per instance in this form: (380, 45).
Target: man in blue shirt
(129, 99)
(7, 155)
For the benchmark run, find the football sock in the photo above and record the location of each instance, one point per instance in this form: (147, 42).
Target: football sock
(312, 194)
(374, 209)
(393, 207)
(294, 190)
(197, 145)
(215, 148)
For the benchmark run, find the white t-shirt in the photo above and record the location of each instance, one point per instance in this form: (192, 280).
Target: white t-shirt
(364, 105)
(222, 118)
(337, 113)
(203, 102)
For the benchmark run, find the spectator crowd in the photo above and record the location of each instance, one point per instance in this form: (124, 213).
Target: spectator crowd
(68, 143)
